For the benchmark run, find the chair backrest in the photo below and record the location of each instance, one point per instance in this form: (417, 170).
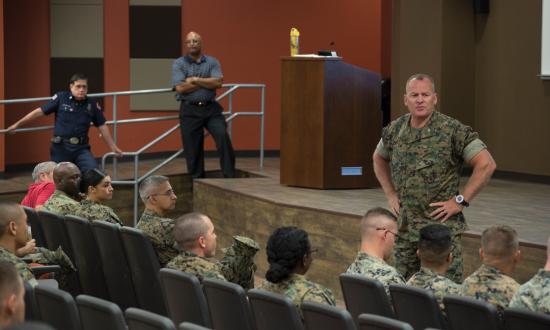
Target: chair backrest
(272, 311)
(30, 325)
(377, 322)
(191, 326)
(55, 232)
(228, 305)
(323, 317)
(365, 295)
(184, 297)
(465, 313)
(416, 306)
(144, 265)
(520, 319)
(31, 307)
(36, 226)
(96, 313)
(57, 308)
(90, 269)
(115, 265)
(139, 319)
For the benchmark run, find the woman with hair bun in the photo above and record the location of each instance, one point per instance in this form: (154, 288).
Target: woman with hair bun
(289, 255)
(96, 185)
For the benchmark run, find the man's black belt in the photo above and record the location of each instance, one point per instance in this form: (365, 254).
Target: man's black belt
(71, 140)
(199, 103)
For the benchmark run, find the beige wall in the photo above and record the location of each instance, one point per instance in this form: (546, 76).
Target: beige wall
(486, 69)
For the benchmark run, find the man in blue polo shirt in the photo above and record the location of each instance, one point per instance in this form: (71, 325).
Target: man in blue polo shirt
(195, 78)
(74, 112)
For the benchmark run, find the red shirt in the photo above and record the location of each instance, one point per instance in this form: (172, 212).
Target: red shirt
(38, 194)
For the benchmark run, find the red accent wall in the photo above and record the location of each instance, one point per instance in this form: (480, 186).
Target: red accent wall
(2, 121)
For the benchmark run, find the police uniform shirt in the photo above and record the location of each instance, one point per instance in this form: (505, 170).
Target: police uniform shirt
(73, 117)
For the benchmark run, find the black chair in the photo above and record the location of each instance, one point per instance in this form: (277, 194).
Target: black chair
(90, 269)
(144, 265)
(57, 308)
(32, 325)
(228, 305)
(31, 307)
(521, 319)
(139, 319)
(191, 326)
(365, 295)
(55, 232)
(416, 306)
(184, 297)
(273, 312)
(323, 317)
(377, 322)
(36, 226)
(96, 313)
(470, 314)
(115, 265)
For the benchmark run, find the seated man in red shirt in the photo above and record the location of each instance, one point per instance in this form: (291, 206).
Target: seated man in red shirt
(42, 187)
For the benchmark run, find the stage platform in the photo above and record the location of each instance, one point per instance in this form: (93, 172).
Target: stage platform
(256, 203)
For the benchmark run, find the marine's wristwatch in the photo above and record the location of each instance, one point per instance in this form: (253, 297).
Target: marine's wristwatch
(459, 199)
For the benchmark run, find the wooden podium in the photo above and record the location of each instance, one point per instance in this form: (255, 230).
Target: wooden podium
(330, 123)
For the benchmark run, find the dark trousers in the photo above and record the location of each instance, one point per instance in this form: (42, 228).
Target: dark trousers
(193, 120)
(79, 154)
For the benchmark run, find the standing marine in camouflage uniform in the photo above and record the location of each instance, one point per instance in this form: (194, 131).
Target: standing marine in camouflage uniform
(98, 189)
(499, 254)
(534, 295)
(67, 183)
(289, 255)
(434, 250)
(418, 163)
(159, 198)
(196, 237)
(378, 230)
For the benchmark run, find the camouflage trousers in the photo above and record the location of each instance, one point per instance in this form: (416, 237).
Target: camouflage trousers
(408, 263)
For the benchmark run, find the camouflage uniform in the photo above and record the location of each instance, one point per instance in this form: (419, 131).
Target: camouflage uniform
(202, 268)
(440, 285)
(22, 267)
(95, 211)
(299, 289)
(425, 167)
(60, 203)
(534, 295)
(489, 284)
(160, 232)
(376, 269)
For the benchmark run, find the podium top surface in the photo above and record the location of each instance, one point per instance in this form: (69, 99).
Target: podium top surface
(311, 58)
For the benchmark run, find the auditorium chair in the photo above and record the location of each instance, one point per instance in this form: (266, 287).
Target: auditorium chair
(465, 313)
(90, 269)
(521, 319)
(31, 325)
(191, 326)
(377, 322)
(57, 308)
(184, 297)
(36, 226)
(144, 265)
(416, 306)
(273, 311)
(228, 305)
(324, 317)
(96, 313)
(115, 265)
(139, 319)
(31, 307)
(365, 295)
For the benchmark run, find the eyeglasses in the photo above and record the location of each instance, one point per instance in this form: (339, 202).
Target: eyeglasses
(313, 251)
(389, 231)
(167, 193)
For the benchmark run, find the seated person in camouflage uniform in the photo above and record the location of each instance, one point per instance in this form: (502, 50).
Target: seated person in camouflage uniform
(96, 185)
(159, 199)
(196, 237)
(499, 255)
(534, 295)
(289, 254)
(12, 296)
(378, 232)
(14, 235)
(64, 200)
(434, 251)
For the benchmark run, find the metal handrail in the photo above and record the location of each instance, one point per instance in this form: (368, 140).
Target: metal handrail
(232, 88)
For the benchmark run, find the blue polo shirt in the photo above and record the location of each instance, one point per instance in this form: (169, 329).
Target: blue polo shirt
(205, 67)
(73, 117)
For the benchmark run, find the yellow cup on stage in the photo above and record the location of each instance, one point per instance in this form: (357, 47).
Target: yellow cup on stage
(294, 42)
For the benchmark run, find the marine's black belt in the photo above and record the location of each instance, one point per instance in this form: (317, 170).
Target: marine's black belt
(71, 139)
